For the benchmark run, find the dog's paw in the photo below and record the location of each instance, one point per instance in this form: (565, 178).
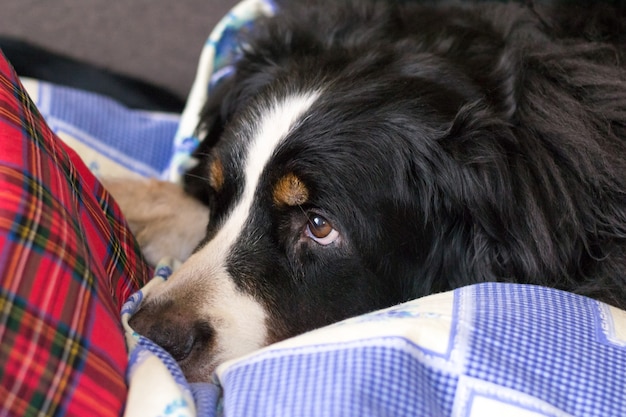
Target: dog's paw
(164, 219)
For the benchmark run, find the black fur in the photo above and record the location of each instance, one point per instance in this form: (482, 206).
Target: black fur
(452, 144)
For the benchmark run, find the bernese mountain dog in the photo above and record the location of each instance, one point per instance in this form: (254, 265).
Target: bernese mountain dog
(368, 152)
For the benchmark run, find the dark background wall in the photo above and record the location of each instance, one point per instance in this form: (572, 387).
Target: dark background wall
(156, 40)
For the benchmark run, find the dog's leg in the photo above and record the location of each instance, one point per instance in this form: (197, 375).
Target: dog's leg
(164, 219)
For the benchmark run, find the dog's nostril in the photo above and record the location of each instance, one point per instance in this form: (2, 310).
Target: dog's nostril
(179, 341)
(203, 332)
(175, 332)
(173, 339)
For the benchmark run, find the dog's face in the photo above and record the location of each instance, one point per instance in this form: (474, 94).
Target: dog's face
(326, 174)
(315, 214)
(349, 178)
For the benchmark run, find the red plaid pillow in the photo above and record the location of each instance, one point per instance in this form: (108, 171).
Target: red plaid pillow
(67, 263)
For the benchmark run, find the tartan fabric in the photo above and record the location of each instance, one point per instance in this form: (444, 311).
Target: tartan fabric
(67, 263)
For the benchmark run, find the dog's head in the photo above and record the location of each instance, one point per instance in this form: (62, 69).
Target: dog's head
(346, 170)
(323, 164)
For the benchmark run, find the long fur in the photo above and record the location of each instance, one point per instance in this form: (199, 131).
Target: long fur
(524, 181)
(448, 143)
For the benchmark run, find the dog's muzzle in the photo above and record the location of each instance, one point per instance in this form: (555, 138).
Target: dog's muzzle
(173, 327)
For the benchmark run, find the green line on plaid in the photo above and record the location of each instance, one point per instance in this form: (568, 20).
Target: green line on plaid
(9, 321)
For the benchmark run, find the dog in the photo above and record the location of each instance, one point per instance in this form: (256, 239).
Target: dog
(366, 152)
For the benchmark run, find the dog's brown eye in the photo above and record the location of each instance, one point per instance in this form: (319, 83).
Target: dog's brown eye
(319, 226)
(320, 230)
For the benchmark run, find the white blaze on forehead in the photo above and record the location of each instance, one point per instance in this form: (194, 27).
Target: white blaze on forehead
(237, 318)
(273, 125)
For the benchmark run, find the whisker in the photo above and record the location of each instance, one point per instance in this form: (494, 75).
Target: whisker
(308, 220)
(187, 174)
(201, 153)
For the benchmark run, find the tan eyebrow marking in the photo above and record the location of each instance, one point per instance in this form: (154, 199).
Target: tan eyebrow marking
(216, 175)
(290, 191)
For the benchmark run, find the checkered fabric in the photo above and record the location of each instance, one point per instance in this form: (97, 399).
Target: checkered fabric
(67, 262)
(484, 350)
(111, 139)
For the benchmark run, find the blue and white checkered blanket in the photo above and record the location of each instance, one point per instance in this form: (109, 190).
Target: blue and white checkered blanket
(484, 350)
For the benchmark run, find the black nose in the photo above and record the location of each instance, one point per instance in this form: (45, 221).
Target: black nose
(172, 327)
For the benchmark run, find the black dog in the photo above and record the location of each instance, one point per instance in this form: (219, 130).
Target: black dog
(370, 152)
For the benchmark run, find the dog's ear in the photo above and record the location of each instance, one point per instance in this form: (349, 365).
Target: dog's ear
(483, 145)
(493, 195)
